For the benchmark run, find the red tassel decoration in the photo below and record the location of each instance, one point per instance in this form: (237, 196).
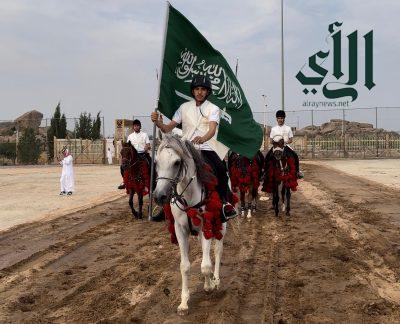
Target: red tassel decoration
(170, 219)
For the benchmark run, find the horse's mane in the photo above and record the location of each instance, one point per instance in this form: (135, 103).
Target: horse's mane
(186, 150)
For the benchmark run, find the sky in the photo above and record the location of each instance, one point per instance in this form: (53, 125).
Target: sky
(103, 55)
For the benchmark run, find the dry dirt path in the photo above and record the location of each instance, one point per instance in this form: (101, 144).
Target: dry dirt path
(336, 259)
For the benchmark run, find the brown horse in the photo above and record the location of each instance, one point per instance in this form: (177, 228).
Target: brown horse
(245, 176)
(280, 175)
(136, 172)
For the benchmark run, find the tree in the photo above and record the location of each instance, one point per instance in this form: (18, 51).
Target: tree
(58, 128)
(63, 127)
(8, 150)
(96, 127)
(83, 127)
(28, 150)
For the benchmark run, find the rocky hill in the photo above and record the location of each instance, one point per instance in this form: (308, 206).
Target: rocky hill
(334, 128)
(31, 119)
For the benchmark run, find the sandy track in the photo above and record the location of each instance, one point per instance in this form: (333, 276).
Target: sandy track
(31, 193)
(335, 260)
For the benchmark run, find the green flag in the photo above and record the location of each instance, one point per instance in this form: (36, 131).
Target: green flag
(186, 54)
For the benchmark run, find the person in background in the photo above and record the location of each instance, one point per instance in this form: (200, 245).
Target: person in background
(109, 156)
(67, 180)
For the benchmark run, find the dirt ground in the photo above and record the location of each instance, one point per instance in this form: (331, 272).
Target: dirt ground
(32, 193)
(335, 260)
(383, 171)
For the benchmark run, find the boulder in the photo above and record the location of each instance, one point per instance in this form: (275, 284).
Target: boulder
(7, 128)
(31, 119)
(366, 125)
(328, 128)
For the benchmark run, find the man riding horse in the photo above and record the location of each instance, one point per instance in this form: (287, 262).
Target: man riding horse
(140, 141)
(199, 119)
(286, 132)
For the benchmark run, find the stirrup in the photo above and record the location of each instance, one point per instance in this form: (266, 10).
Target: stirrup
(229, 214)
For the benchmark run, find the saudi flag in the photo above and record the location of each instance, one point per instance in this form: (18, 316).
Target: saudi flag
(186, 54)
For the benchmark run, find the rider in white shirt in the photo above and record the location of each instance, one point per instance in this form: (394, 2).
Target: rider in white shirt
(140, 141)
(286, 132)
(200, 119)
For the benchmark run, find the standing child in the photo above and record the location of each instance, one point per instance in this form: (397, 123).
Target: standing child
(67, 180)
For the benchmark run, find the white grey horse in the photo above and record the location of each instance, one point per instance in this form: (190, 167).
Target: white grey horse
(181, 172)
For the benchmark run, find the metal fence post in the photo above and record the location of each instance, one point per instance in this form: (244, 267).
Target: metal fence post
(104, 129)
(16, 147)
(46, 147)
(313, 137)
(343, 134)
(376, 133)
(75, 155)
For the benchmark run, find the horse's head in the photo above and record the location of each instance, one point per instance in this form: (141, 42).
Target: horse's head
(171, 166)
(278, 145)
(128, 155)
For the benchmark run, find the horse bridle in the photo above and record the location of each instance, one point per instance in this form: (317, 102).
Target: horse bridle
(130, 160)
(138, 176)
(178, 197)
(279, 158)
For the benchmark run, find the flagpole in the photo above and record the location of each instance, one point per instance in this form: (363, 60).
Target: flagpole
(282, 60)
(265, 121)
(236, 69)
(153, 149)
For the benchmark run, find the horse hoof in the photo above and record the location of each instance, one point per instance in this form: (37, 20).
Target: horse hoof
(283, 207)
(287, 213)
(248, 215)
(216, 283)
(208, 286)
(183, 311)
(208, 290)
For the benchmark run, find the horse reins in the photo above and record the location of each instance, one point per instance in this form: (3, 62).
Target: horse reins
(178, 197)
(130, 160)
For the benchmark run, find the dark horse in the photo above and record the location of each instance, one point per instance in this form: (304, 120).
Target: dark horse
(245, 177)
(280, 175)
(136, 174)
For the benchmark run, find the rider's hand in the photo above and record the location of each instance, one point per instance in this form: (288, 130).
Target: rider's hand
(198, 140)
(154, 116)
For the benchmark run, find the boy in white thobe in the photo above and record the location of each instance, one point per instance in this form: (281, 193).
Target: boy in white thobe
(109, 156)
(67, 180)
